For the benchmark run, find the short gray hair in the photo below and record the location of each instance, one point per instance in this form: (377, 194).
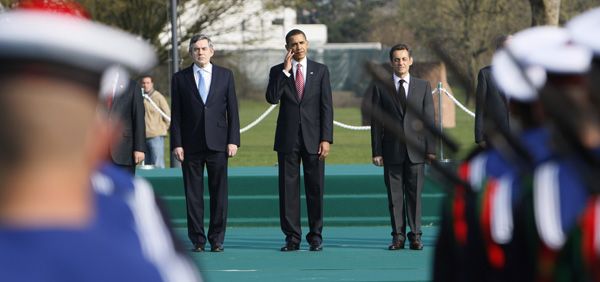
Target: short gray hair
(198, 37)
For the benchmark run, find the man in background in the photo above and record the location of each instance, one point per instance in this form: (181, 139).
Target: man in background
(491, 105)
(157, 117)
(128, 108)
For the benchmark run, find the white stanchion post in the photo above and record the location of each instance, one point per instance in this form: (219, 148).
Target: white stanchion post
(441, 120)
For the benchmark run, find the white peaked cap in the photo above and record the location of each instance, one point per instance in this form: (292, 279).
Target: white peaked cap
(585, 30)
(538, 51)
(73, 41)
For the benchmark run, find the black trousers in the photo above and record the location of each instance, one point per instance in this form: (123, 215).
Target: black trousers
(289, 193)
(404, 183)
(193, 182)
(128, 168)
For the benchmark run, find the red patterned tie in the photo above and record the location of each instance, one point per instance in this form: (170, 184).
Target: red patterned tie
(299, 81)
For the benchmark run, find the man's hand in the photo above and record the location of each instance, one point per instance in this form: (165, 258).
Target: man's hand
(287, 62)
(430, 157)
(138, 156)
(323, 150)
(178, 152)
(231, 150)
(378, 160)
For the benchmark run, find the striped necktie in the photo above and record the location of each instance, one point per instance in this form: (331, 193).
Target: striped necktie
(299, 81)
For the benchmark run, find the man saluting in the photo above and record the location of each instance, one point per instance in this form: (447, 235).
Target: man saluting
(303, 135)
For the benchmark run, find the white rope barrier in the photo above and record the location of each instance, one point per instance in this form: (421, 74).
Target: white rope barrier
(351, 127)
(165, 116)
(272, 107)
(259, 119)
(461, 106)
(337, 123)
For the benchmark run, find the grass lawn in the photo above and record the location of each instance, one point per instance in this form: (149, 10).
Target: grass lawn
(349, 147)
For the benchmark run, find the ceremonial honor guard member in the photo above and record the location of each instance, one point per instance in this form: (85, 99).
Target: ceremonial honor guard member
(493, 218)
(580, 257)
(66, 212)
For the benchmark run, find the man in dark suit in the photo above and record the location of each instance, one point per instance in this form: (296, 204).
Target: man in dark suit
(126, 104)
(303, 135)
(491, 106)
(403, 162)
(205, 131)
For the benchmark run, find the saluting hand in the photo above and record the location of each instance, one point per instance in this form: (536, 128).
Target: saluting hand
(287, 62)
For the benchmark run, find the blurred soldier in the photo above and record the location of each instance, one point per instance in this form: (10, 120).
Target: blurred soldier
(157, 117)
(482, 219)
(580, 257)
(552, 196)
(65, 214)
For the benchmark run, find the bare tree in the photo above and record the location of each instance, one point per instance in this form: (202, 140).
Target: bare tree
(461, 32)
(571, 8)
(544, 12)
(150, 18)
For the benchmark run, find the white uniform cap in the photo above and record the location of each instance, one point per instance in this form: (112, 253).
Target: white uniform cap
(520, 68)
(585, 30)
(34, 34)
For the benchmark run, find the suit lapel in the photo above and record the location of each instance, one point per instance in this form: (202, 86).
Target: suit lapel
(412, 92)
(192, 83)
(310, 72)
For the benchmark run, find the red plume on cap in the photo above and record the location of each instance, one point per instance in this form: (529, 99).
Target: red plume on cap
(65, 7)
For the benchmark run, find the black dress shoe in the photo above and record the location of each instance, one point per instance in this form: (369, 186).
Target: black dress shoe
(198, 248)
(416, 245)
(289, 247)
(316, 248)
(216, 249)
(396, 245)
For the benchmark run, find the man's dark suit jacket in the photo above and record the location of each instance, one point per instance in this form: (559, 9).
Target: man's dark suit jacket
(386, 144)
(129, 108)
(220, 114)
(313, 114)
(489, 102)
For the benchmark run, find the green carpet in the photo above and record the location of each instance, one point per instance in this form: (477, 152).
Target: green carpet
(356, 232)
(355, 195)
(350, 254)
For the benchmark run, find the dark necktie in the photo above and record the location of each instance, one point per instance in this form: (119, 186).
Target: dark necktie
(402, 94)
